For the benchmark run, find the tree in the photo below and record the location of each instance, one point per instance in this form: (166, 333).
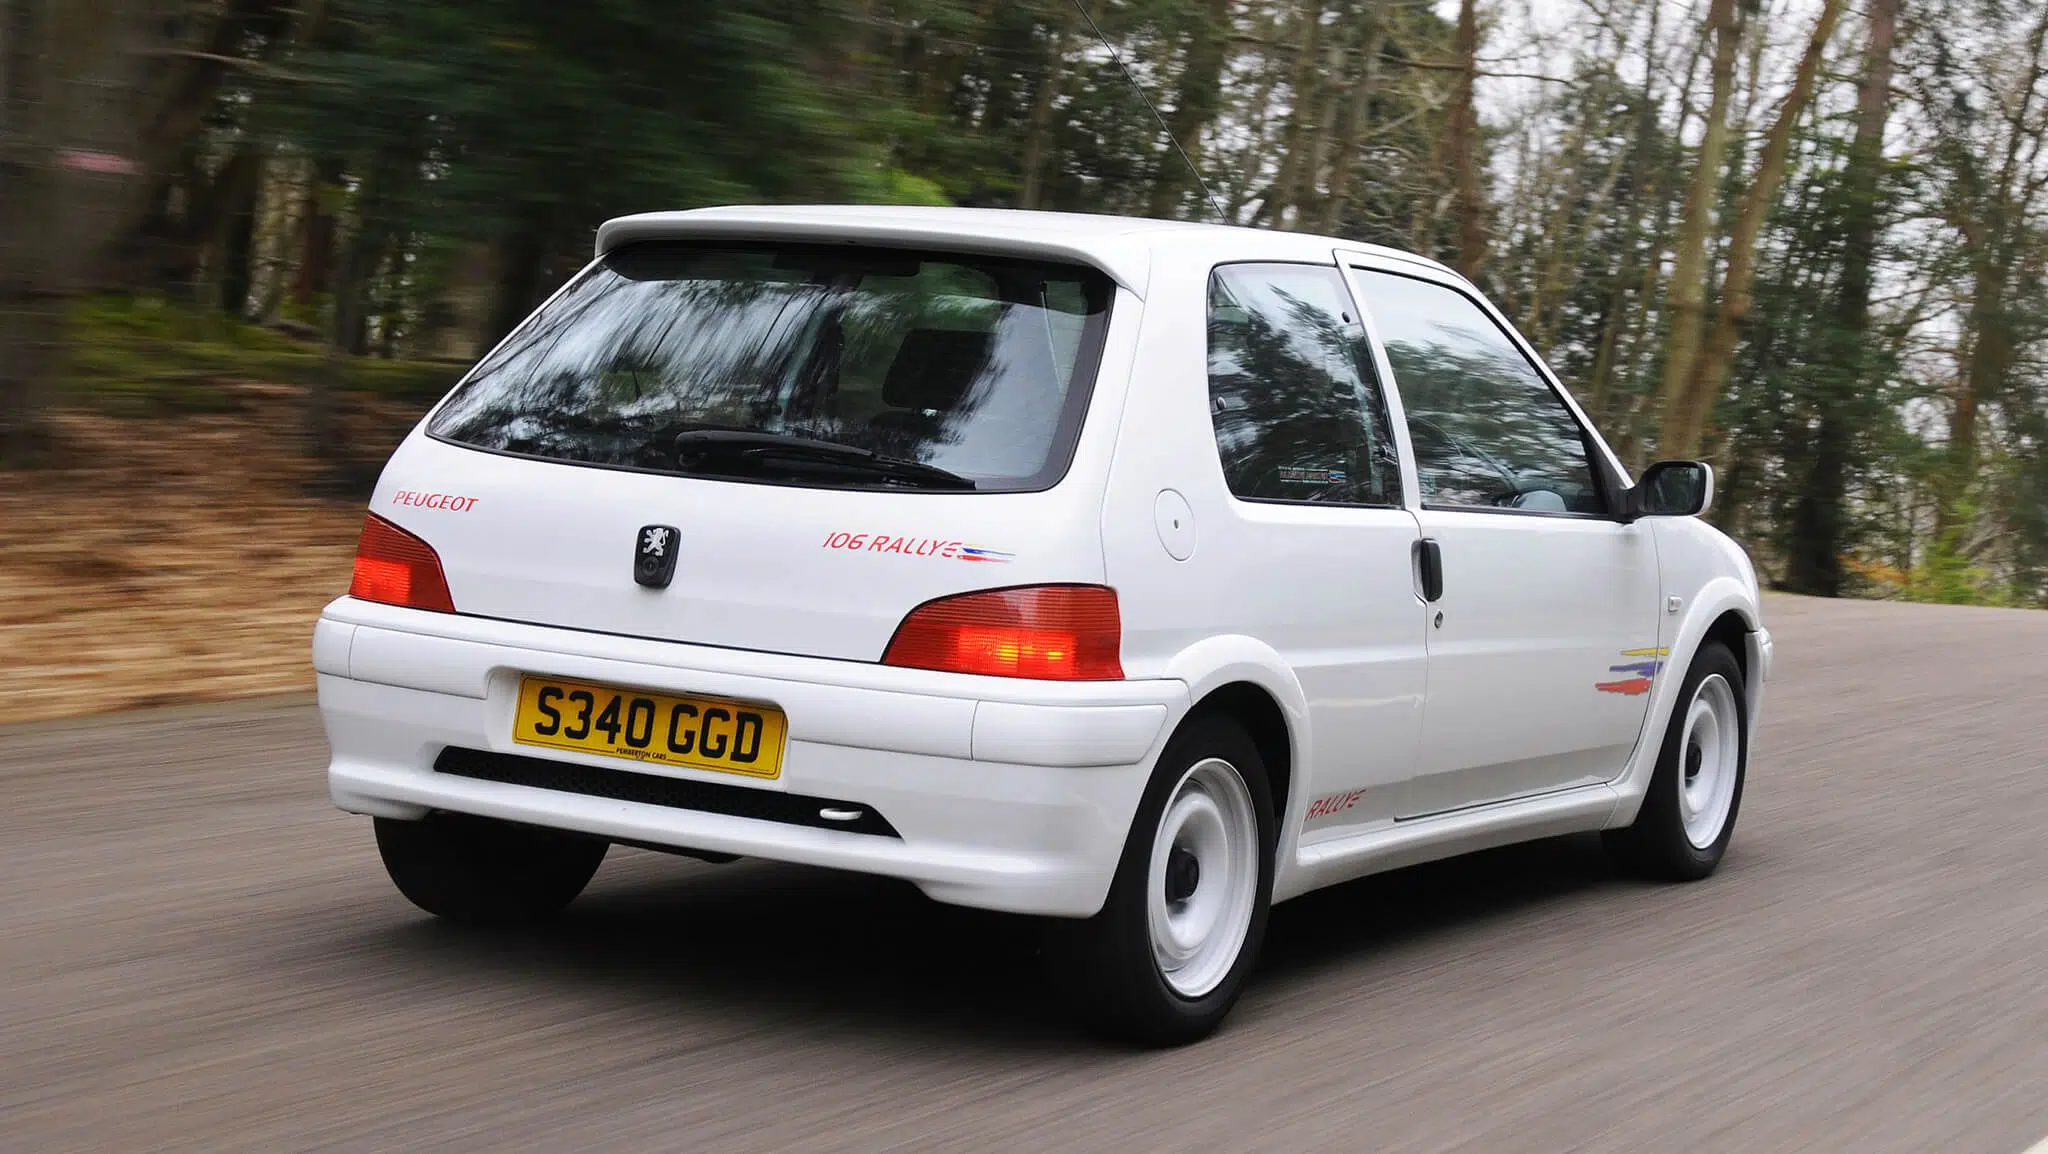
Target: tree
(1046, 94)
(1990, 146)
(1689, 268)
(1196, 102)
(1686, 411)
(1819, 523)
(1461, 143)
(73, 120)
(1372, 45)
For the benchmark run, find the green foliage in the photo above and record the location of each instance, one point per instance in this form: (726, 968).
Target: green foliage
(146, 356)
(552, 117)
(895, 186)
(1947, 577)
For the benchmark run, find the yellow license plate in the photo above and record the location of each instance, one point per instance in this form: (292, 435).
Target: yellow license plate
(699, 732)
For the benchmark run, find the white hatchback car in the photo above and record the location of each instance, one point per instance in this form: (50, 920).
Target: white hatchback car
(1132, 573)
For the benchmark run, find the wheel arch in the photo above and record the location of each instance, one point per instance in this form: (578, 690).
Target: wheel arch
(1732, 629)
(1251, 706)
(1724, 610)
(1246, 680)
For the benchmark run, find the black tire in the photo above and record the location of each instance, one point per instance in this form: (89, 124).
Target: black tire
(483, 872)
(1655, 845)
(1105, 965)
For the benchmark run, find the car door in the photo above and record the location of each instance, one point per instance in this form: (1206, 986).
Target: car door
(1543, 640)
(1319, 564)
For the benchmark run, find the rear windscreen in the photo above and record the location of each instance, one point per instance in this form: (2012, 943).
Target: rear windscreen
(840, 366)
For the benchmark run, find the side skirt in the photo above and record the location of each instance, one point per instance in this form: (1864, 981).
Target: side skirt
(1448, 835)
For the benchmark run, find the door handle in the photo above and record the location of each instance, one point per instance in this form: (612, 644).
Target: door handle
(1429, 568)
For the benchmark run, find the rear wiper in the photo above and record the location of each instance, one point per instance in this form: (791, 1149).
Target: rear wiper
(758, 448)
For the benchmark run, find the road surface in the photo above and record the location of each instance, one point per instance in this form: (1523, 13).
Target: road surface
(198, 953)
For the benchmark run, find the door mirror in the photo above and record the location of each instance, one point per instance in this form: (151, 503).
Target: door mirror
(1672, 489)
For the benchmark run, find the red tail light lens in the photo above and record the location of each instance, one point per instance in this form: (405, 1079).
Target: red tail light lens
(397, 568)
(1046, 632)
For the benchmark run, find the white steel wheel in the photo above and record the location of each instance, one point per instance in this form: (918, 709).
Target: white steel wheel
(1178, 936)
(1695, 791)
(1204, 878)
(1710, 761)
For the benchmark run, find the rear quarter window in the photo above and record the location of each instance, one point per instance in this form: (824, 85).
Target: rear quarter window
(1298, 412)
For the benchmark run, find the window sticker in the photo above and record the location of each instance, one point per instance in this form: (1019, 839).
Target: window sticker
(1299, 475)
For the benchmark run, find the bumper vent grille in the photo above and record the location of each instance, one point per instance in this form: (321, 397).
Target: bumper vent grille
(668, 792)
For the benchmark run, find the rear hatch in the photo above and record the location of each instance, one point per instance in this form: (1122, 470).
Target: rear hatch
(818, 438)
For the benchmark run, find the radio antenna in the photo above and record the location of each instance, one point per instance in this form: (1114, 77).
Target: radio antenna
(1140, 89)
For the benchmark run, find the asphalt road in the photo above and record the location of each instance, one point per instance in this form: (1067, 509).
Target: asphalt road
(197, 953)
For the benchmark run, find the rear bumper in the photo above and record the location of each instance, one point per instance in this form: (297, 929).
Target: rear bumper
(1005, 795)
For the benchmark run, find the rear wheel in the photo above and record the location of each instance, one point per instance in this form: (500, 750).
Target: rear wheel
(1173, 946)
(475, 870)
(1688, 816)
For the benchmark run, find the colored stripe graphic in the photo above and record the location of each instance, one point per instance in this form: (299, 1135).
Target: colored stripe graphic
(971, 553)
(1645, 672)
(1634, 686)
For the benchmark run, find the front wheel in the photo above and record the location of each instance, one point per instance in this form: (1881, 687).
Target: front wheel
(1165, 959)
(1688, 815)
(475, 870)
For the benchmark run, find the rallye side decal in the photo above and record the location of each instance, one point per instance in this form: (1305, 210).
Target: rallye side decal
(1333, 804)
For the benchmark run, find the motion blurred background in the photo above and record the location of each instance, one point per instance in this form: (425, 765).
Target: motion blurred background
(245, 243)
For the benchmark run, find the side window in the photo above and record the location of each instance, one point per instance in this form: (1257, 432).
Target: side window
(1297, 410)
(1487, 429)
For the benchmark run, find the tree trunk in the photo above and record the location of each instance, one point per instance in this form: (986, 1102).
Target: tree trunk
(1258, 109)
(1467, 204)
(73, 83)
(942, 75)
(1995, 240)
(1194, 106)
(1299, 96)
(316, 234)
(1820, 513)
(1372, 43)
(1984, 371)
(28, 316)
(172, 95)
(1050, 84)
(1685, 424)
(1564, 237)
(186, 95)
(520, 255)
(388, 170)
(180, 253)
(237, 243)
(1309, 176)
(1689, 267)
(1641, 187)
(391, 308)
(275, 209)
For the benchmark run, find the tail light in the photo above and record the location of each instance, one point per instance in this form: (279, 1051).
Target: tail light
(397, 568)
(1047, 632)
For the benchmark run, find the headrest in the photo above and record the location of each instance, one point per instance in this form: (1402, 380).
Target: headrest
(934, 368)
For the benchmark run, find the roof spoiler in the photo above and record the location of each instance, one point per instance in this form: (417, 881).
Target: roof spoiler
(1126, 262)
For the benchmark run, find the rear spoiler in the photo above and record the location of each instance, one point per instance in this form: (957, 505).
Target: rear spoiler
(1127, 261)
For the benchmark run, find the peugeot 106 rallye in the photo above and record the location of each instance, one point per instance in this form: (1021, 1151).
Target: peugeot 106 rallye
(1134, 574)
